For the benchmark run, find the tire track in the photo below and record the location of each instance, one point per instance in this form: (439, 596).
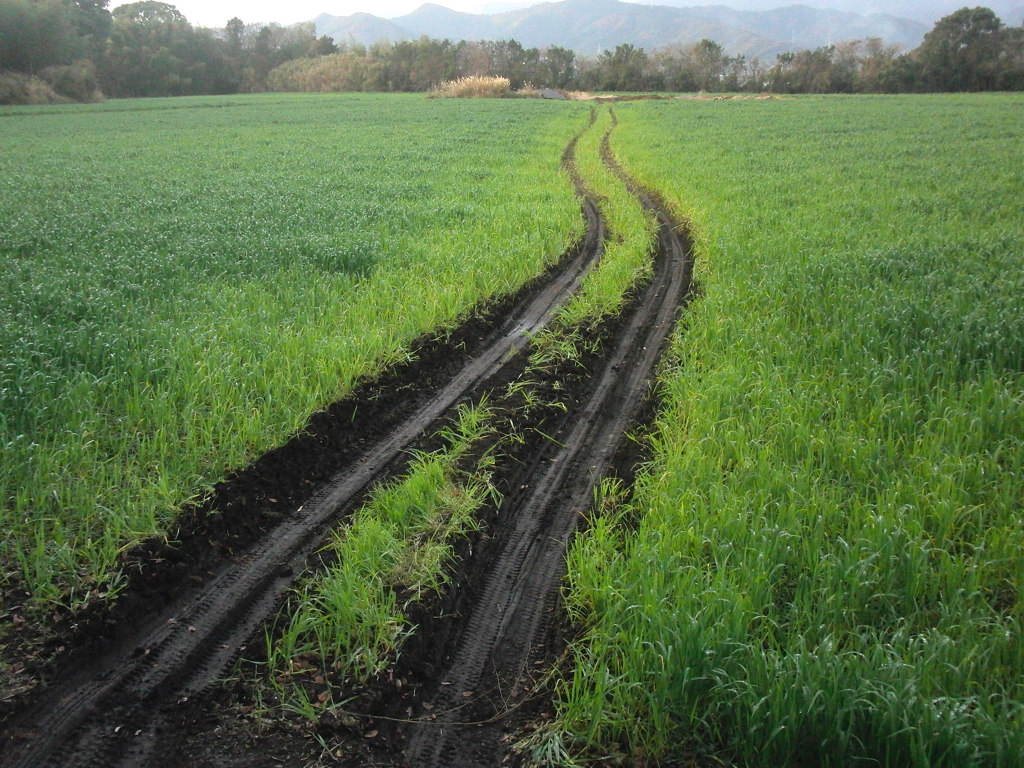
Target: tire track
(522, 587)
(113, 715)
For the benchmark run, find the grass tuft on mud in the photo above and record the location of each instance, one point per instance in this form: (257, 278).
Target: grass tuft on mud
(350, 618)
(631, 234)
(625, 262)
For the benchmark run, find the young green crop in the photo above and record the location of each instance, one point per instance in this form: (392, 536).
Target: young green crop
(627, 254)
(182, 282)
(830, 555)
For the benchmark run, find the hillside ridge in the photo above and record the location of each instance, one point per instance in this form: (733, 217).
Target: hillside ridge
(592, 26)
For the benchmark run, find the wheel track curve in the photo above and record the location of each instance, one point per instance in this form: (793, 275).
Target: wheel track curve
(522, 588)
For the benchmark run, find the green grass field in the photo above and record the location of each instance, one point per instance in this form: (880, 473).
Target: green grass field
(823, 565)
(182, 282)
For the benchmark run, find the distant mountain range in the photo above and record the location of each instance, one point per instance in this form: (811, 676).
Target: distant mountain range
(502, 7)
(925, 11)
(591, 26)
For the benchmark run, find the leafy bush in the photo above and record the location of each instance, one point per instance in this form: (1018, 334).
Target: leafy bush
(77, 81)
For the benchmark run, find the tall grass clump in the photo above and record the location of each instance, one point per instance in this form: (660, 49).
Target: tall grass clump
(473, 87)
(184, 281)
(348, 622)
(829, 554)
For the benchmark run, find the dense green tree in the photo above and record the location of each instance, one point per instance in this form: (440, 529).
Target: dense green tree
(624, 69)
(803, 72)
(703, 66)
(42, 33)
(963, 52)
(145, 55)
(557, 68)
(1011, 69)
(321, 46)
(676, 70)
(432, 63)
(709, 64)
(234, 35)
(510, 59)
(93, 23)
(149, 12)
(411, 65)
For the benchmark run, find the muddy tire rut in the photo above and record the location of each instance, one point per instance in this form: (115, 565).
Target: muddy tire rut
(490, 661)
(114, 710)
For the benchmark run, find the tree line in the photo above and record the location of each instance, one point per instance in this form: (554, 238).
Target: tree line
(79, 49)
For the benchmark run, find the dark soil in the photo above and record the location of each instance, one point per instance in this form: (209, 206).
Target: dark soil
(225, 729)
(226, 723)
(246, 506)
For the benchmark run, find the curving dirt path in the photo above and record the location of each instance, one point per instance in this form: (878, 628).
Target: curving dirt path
(521, 591)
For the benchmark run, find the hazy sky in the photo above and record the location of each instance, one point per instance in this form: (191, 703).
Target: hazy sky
(214, 13)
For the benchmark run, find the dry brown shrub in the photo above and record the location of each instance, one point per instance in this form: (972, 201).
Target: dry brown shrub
(17, 88)
(473, 87)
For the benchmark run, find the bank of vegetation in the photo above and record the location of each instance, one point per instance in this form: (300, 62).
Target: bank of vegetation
(77, 50)
(182, 286)
(823, 565)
